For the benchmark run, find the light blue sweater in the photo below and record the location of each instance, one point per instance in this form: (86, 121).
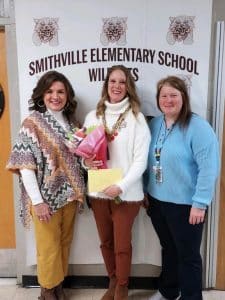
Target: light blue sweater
(189, 160)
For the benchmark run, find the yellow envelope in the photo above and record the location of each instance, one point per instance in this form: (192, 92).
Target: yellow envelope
(99, 179)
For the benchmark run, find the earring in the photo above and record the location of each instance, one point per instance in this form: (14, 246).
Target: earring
(40, 103)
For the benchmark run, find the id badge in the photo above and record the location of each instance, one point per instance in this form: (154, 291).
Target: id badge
(158, 173)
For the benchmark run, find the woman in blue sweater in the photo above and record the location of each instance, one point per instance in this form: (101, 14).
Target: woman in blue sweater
(183, 165)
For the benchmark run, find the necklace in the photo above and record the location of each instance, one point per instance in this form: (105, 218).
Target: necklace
(111, 134)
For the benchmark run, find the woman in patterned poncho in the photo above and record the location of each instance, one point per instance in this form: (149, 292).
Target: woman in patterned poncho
(51, 178)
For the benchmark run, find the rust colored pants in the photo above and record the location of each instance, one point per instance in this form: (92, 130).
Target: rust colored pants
(114, 223)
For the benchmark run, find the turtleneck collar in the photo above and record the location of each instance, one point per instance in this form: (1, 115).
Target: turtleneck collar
(58, 115)
(117, 108)
(55, 113)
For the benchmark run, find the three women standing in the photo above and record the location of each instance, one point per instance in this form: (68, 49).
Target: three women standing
(180, 181)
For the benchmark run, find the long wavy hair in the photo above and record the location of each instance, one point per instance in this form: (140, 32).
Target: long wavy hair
(131, 91)
(179, 84)
(44, 83)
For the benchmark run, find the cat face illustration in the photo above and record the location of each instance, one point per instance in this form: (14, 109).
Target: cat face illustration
(114, 31)
(46, 31)
(181, 30)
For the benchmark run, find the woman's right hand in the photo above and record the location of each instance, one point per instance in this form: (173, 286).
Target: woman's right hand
(43, 212)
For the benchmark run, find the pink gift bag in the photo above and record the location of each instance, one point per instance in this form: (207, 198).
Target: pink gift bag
(94, 143)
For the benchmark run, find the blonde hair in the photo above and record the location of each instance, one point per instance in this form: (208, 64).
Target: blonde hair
(131, 91)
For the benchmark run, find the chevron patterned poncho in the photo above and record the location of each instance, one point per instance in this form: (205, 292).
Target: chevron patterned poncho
(41, 147)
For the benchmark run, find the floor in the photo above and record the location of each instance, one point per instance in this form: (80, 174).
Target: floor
(10, 291)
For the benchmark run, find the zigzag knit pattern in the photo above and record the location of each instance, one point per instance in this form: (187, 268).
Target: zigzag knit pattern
(41, 147)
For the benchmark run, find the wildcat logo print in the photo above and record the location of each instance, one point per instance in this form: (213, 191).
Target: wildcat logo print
(181, 30)
(46, 31)
(114, 31)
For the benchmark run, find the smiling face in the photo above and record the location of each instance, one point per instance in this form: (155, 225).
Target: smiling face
(55, 97)
(117, 88)
(170, 101)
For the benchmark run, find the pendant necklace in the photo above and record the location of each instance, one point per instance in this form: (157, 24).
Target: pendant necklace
(111, 134)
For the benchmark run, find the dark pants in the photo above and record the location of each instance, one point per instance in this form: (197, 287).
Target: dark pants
(180, 241)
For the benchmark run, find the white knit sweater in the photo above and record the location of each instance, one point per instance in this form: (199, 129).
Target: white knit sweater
(129, 149)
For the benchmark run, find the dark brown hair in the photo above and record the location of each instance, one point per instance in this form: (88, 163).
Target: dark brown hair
(179, 84)
(44, 83)
(131, 91)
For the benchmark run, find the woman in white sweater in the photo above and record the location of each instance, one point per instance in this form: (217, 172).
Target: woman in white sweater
(128, 139)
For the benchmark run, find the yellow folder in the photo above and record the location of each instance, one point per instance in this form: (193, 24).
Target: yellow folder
(100, 179)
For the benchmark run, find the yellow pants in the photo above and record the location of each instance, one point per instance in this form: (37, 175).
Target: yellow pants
(53, 240)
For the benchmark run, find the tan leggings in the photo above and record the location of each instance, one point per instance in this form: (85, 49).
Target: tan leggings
(114, 223)
(53, 240)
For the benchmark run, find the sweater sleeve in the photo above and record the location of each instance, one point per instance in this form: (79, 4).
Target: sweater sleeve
(140, 154)
(146, 175)
(31, 186)
(91, 119)
(206, 154)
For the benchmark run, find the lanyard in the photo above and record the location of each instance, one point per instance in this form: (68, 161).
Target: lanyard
(157, 154)
(159, 146)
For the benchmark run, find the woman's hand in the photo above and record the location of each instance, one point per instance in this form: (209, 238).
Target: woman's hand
(91, 163)
(145, 202)
(112, 191)
(197, 215)
(43, 212)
